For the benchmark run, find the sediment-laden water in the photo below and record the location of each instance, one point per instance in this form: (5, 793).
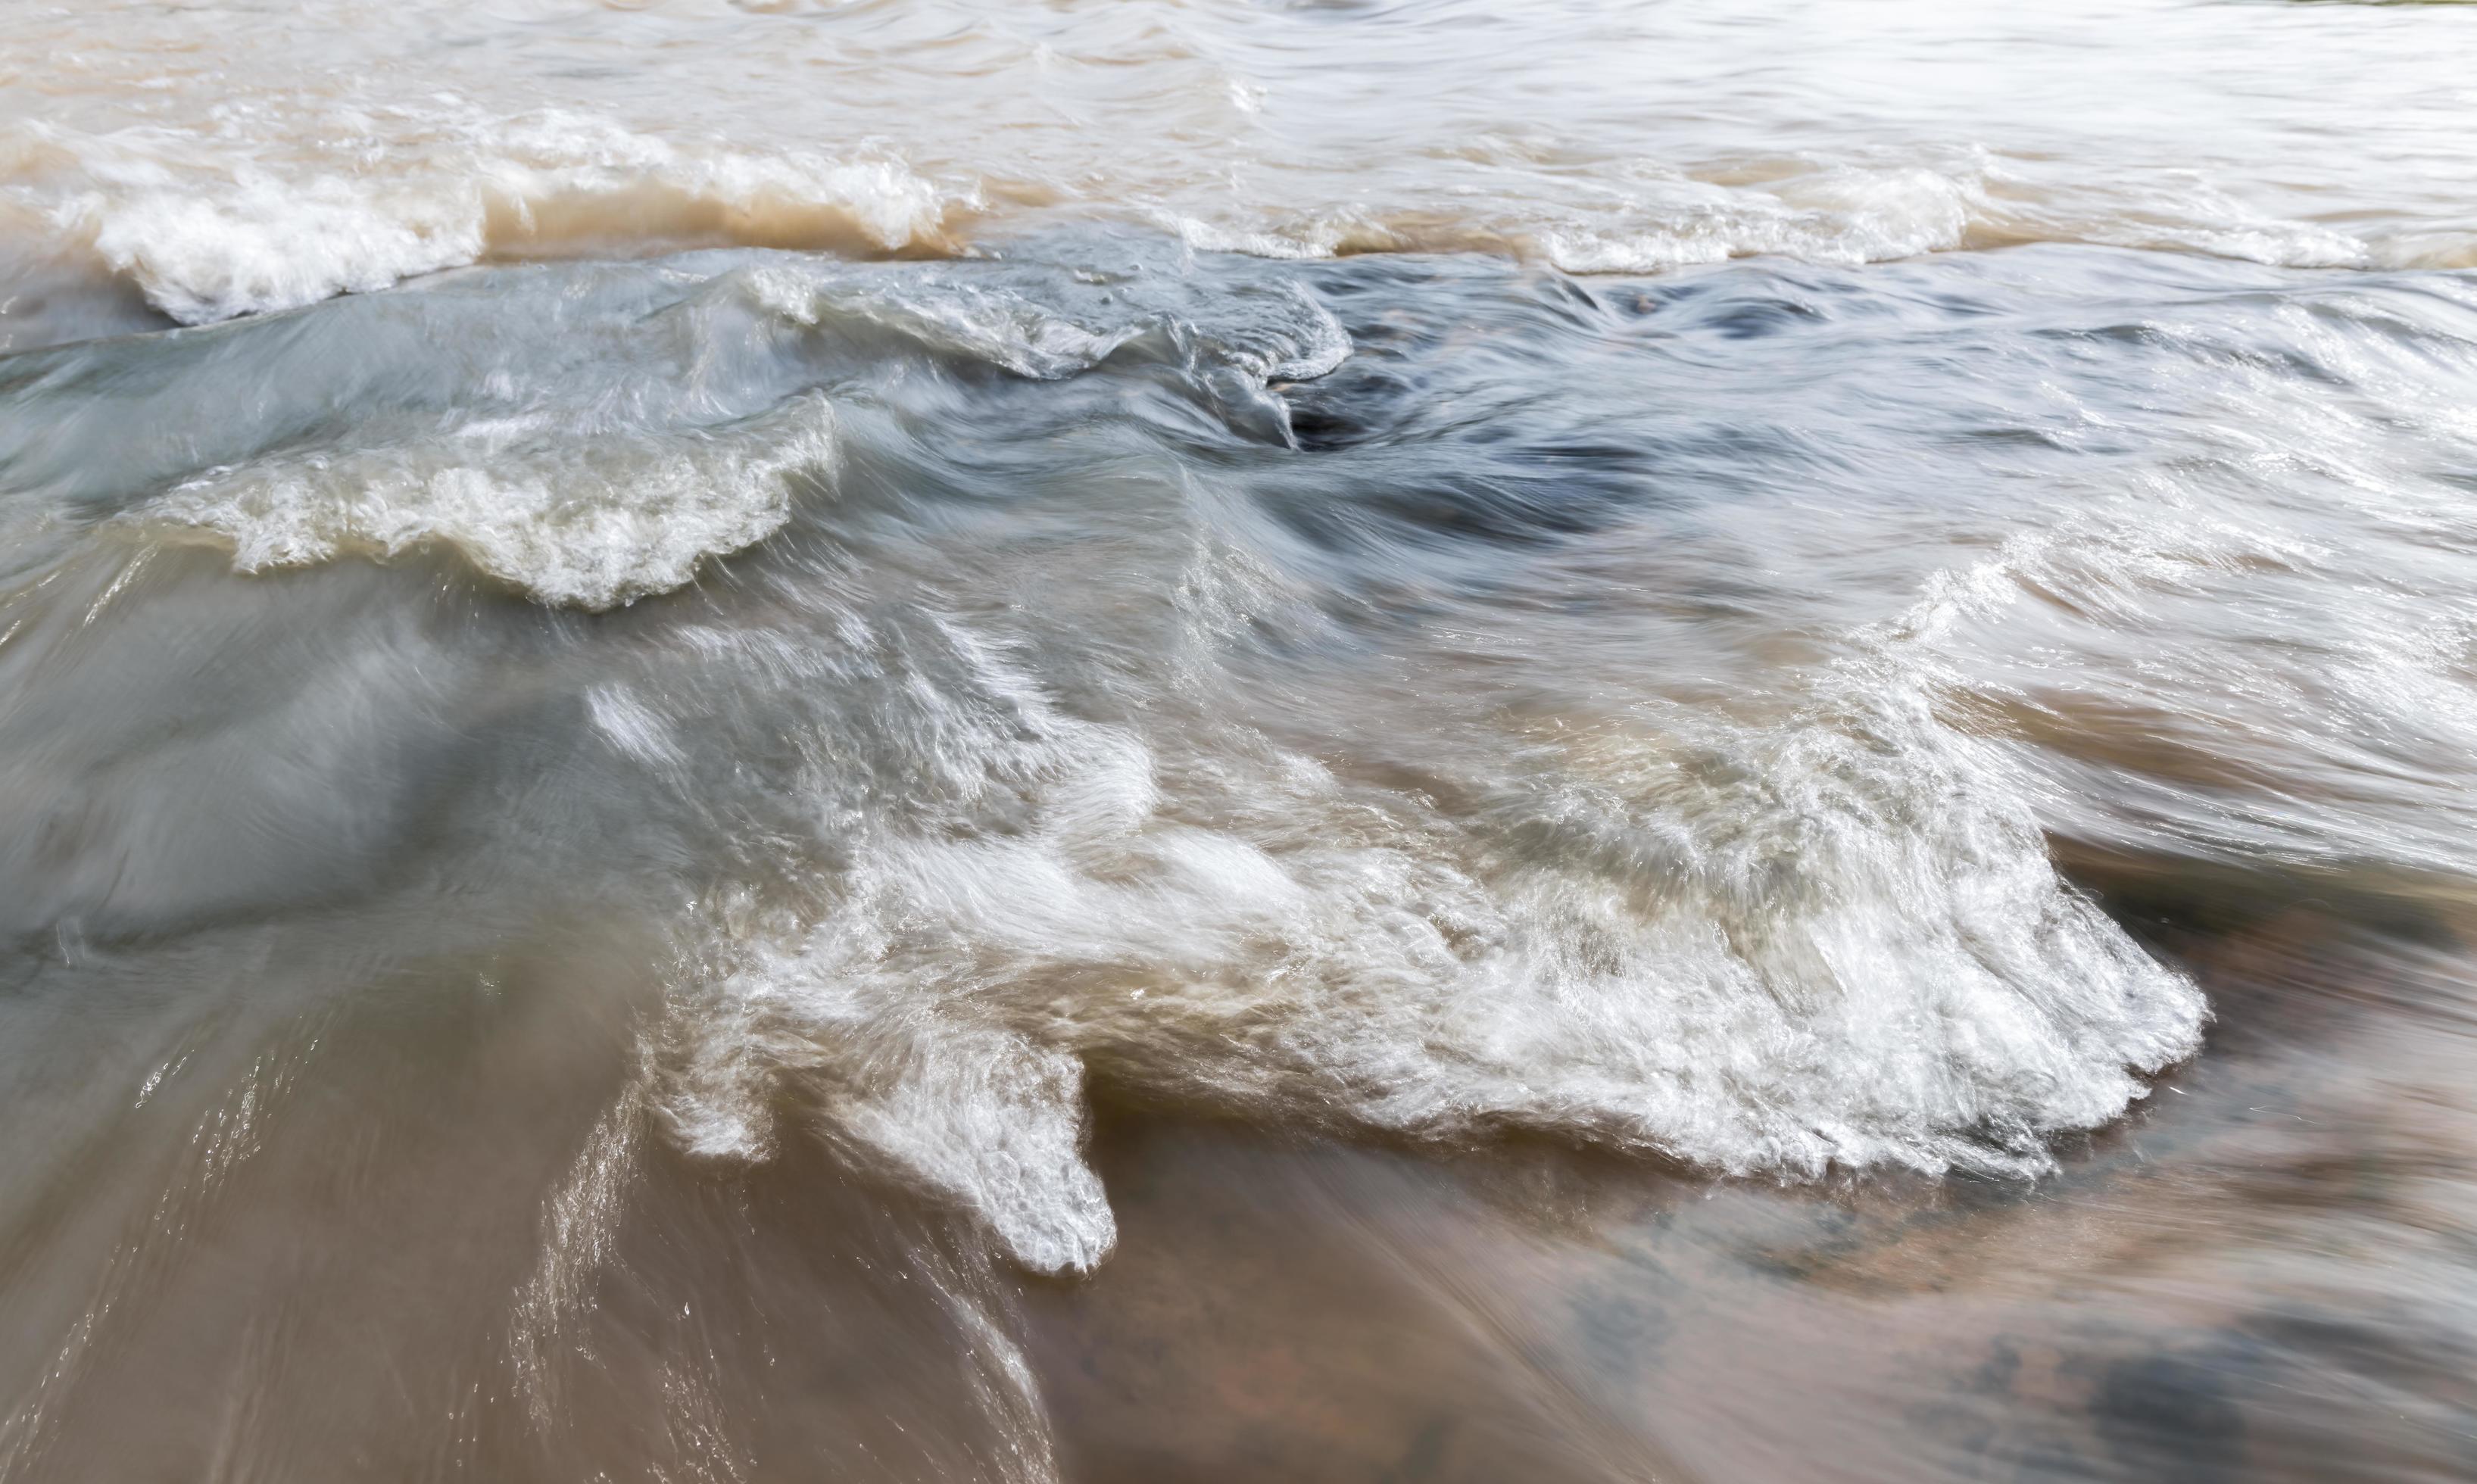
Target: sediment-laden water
(1233, 742)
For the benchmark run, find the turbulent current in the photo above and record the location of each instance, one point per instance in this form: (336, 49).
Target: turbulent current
(1225, 741)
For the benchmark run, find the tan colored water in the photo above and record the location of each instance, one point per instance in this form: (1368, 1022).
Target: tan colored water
(1229, 742)
(226, 158)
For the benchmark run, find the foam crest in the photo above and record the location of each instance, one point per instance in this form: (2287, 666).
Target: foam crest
(208, 234)
(1838, 213)
(589, 435)
(1048, 324)
(260, 243)
(592, 524)
(1834, 941)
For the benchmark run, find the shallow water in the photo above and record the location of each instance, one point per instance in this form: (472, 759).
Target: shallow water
(1234, 742)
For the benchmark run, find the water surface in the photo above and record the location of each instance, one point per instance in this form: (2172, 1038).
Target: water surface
(1237, 742)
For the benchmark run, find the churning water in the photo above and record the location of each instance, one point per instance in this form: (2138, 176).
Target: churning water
(1226, 741)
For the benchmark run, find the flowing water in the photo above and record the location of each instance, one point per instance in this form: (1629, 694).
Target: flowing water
(1232, 741)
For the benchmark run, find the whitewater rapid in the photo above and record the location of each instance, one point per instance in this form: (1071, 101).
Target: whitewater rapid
(1030, 641)
(714, 716)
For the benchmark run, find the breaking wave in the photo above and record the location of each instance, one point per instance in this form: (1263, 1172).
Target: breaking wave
(259, 186)
(1282, 689)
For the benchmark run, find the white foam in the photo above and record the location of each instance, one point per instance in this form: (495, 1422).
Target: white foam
(1832, 941)
(993, 325)
(208, 231)
(995, 1120)
(280, 211)
(631, 727)
(1836, 213)
(257, 243)
(592, 523)
(1281, 334)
